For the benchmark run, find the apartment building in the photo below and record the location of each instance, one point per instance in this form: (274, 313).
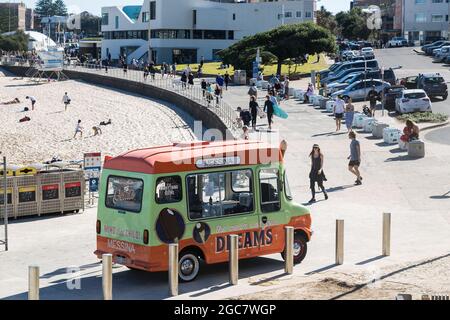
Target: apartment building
(425, 20)
(184, 31)
(12, 17)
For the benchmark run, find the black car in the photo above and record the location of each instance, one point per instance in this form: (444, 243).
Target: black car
(432, 83)
(390, 95)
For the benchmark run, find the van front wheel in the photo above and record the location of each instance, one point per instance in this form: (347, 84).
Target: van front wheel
(300, 249)
(188, 267)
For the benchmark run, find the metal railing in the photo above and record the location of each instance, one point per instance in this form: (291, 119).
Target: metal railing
(215, 104)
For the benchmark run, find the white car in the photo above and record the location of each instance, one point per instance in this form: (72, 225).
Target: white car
(415, 100)
(368, 53)
(359, 90)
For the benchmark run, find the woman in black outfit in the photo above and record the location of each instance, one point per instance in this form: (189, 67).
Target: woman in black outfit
(316, 174)
(253, 106)
(268, 108)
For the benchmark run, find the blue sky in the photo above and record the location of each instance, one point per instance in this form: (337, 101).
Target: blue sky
(94, 6)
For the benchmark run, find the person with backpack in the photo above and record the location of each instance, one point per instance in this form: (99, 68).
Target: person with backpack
(246, 117)
(253, 91)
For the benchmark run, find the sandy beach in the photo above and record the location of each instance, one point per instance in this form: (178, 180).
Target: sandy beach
(137, 121)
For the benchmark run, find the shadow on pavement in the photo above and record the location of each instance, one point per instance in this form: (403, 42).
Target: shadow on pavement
(400, 158)
(331, 266)
(340, 188)
(397, 150)
(370, 260)
(443, 197)
(141, 285)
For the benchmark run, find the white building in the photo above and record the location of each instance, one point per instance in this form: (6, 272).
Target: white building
(183, 31)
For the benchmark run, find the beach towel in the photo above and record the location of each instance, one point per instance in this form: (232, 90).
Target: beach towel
(277, 111)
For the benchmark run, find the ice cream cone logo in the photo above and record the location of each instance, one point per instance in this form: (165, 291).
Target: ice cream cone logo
(201, 232)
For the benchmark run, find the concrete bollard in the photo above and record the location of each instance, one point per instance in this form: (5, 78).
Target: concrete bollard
(107, 276)
(33, 283)
(289, 256)
(173, 269)
(386, 234)
(339, 242)
(234, 259)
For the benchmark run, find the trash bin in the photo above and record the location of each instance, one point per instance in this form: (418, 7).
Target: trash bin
(323, 103)
(240, 77)
(416, 149)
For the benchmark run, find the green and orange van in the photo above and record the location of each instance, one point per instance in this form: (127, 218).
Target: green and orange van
(197, 194)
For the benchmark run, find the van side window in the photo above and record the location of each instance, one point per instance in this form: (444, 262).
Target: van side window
(124, 193)
(220, 194)
(270, 190)
(168, 190)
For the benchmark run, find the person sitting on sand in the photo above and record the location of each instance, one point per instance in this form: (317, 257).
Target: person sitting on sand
(97, 130)
(78, 129)
(25, 119)
(16, 100)
(103, 123)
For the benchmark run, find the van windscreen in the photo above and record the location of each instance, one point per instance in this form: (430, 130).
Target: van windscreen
(124, 193)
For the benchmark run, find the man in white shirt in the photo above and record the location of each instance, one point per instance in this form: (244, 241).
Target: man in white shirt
(339, 110)
(66, 101)
(33, 101)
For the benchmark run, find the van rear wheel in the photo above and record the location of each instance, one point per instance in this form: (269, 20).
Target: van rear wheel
(300, 249)
(188, 266)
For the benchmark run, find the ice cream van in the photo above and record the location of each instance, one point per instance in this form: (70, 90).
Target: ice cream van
(196, 195)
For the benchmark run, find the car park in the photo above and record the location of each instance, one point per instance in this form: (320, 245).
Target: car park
(432, 83)
(434, 44)
(390, 96)
(343, 83)
(411, 101)
(360, 90)
(341, 75)
(366, 64)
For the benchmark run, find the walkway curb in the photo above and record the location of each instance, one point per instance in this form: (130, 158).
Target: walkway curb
(435, 126)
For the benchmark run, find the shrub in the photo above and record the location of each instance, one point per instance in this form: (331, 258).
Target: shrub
(420, 117)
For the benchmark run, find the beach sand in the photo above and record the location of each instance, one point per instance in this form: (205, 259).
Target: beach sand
(137, 122)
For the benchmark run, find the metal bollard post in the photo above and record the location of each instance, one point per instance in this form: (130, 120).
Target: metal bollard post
(173, 269)
(339, 241)
(107, 276)
(386, 234)
(289, 255)
(33, 283)
(234, 259)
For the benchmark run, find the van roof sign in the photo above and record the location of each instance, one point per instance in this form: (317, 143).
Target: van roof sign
(218, 162)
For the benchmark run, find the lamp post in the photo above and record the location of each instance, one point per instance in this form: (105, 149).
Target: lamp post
(149, 32)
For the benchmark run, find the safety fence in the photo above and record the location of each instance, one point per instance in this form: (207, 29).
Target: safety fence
(214, 103)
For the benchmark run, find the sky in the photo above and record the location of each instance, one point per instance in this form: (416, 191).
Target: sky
(94, 6)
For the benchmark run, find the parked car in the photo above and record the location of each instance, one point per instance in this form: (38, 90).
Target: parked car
(434, 44)
(341, 74)
(368, 53)
(443, 53)
(369, 64)
(432, 83)
(391, 95)
(360, 90)
(397, 42)
(429, 50)
(343, 83)
(415, 100)
(324, 73)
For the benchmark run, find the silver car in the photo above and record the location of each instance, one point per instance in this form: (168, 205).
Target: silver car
(360, 90)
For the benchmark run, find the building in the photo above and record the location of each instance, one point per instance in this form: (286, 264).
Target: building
(425, 20)
(29, 19)
(12, 17)
(37, 41)
(184, 31)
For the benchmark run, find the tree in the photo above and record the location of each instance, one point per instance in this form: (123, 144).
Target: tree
(90, 24)
(59, 8)
(283, 43)
(44, 8)
(326, 19)
(353, 24)
(15, 42)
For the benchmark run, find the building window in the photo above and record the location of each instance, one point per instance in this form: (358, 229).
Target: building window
(152, 10)
(215, 34)
(231, 35)
(420, 17)
(105, 19)
(145, 16)
(117, 22)
(437, 18)
(308, 14)
(288, 14)
(234, 16)
(298, 14)
(420, 1)
(198, 34)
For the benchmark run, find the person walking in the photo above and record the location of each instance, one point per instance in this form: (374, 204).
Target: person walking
(355, 158)
(220, 82)
(338, 110)
(253, 106)
(78, 129)
(227, 80)
(349, 114)
(191, 80)
(269, 109)
(66, 101)
(204, 86)
(316, 174)
(183, 80)
(286, 88)
(217, 93)
(373, 97)
(33, 101)
(253, 91)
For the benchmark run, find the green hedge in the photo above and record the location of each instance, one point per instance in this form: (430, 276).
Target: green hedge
(420, 117)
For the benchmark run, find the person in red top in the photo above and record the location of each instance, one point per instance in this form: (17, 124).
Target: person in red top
(410, 132)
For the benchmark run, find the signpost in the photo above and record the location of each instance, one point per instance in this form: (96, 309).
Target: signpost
(5, 203)
(92, 169)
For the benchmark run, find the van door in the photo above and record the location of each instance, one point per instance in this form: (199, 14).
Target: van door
(272, 217)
